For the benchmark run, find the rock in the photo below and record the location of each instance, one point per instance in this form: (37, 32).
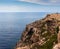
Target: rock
(57, 46)
(25, 47)
(37, 34)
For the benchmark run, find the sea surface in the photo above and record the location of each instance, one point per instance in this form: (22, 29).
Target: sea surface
(12, 25)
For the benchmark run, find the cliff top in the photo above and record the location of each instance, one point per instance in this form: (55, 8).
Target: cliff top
(49, 17)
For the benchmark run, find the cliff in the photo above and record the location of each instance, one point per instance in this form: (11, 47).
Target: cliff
(41, 34)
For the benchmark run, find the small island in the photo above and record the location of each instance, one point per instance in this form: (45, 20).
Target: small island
(41, 34)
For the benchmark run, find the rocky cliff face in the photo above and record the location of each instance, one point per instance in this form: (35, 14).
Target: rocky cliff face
(41, 34)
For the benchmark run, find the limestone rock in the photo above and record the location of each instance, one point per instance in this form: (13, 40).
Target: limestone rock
(57, 46)
(40, 33)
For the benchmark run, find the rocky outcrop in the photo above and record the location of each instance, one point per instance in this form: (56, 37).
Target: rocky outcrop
(41, 34)
(57, 46)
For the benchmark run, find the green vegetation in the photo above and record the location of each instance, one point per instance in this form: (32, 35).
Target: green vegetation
(48, 44)
(57, 29)
(46, 34)
(49, 38)
(43, 30)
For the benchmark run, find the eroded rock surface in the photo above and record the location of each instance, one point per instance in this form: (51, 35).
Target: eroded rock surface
(57, 46)
(41, 34)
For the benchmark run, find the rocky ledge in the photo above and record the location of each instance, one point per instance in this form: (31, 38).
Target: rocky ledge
(41, 34)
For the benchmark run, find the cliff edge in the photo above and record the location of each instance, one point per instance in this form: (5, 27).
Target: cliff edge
(41, 34)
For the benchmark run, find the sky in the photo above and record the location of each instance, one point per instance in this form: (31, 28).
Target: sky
(29, 5)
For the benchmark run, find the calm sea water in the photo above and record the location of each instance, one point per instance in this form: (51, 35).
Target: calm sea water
(12, 25)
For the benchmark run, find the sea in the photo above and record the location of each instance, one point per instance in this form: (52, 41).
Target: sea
(12, 24)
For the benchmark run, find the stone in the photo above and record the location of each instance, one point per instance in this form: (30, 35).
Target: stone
(34, 32)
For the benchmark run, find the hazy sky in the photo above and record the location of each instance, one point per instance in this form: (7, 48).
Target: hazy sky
(29, 5)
